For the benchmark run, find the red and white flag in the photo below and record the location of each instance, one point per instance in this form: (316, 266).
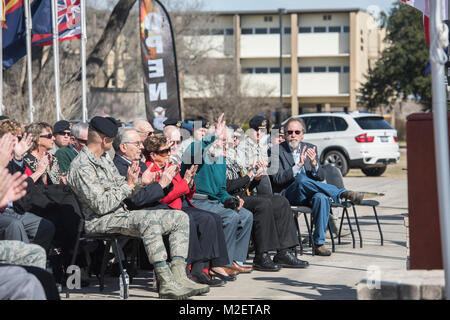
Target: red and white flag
(424, 6)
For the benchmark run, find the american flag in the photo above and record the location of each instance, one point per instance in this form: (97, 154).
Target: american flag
(423, 5)
(69, 23)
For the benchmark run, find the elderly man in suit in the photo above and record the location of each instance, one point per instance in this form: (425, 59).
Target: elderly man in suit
(298, 179)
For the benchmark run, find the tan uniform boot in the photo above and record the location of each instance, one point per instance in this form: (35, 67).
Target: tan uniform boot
(178, 269)
(169, 288)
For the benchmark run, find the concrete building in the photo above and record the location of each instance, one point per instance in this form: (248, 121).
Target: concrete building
(325, 55)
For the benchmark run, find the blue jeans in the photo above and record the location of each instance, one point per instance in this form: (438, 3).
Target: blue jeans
(305, 191)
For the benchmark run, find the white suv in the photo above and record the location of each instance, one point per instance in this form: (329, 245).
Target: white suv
(352, 140)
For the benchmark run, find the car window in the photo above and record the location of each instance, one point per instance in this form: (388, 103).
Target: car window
(319, 124)
(340, 124)
(369, 123)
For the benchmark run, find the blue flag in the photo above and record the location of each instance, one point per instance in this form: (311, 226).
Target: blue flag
(14, 31)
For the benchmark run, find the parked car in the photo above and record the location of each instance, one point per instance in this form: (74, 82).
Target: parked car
(352, 140)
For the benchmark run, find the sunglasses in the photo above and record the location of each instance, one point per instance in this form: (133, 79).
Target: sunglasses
(163, 151)
(81, 140)
(48, 136)
(289, 132)
(67, 134)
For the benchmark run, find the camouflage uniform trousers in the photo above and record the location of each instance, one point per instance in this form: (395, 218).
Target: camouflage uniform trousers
(21, 253)
(150, 226)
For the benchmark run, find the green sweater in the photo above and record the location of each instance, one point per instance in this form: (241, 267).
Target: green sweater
(211, 176)
(65, 156)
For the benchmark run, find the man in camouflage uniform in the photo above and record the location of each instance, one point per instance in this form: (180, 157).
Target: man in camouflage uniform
(21, 253)
(101, 191)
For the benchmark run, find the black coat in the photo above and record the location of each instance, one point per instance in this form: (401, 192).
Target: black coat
(284, 176)
(146, 198)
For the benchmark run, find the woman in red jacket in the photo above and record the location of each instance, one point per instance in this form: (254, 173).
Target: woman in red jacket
(207, 247)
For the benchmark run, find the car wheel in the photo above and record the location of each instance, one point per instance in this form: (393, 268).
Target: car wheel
(374, 172)
(337, 159)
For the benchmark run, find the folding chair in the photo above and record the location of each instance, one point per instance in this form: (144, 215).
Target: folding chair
(296, 210)
(111, 239)
(334, 176)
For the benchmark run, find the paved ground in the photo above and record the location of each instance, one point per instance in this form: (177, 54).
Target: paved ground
(332, 277)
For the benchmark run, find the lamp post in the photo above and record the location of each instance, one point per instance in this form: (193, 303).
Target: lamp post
(281, 11)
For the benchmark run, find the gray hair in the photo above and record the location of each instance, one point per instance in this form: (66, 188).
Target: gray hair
(78, 128)
(122, 136)
(295, 119)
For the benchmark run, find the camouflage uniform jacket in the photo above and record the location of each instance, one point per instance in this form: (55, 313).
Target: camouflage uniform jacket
(98, 185)
(248, 151)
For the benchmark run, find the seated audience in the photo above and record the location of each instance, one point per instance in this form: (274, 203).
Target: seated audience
(61, 132)
(101, 191)
(78, 139)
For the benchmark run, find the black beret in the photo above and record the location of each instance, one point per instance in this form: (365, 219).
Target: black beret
(257, 121)
(172, 122)
(107, 126)
(61, 125)
(3, 118)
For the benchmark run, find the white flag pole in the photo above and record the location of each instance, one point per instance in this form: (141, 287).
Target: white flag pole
(56, 55)
(83, 59)
(29, 26)
(438, 58)
(1, 58)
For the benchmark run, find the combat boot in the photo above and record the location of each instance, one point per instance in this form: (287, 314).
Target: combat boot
(178, 269)
(169, 288)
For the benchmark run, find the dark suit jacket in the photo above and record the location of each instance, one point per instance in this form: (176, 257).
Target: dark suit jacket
(284, 176)
(148, 197)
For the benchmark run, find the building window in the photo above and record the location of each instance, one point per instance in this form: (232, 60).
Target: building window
(327, 17)
(334, 29)
(320, 29)
(334, 69)
(320, 69)
(345, 69)
(261, 70)
(304, 29)
(287, 30)
(203, 32)
(274, 70)
(247, 70)
(287, 70)
(304, 69)
(229, 32)
(247, 31)
(268, 19)
(217, 31)
(346, 29)
(260, 30)
(274, 30)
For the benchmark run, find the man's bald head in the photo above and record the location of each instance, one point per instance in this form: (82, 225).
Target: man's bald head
(144, 127)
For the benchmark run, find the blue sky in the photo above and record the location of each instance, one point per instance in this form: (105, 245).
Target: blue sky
(230, 5)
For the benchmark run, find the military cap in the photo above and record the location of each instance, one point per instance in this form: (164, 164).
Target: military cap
(172, 122)
(188, 125)
(157, 133)
(107, 126)
(279, 128)
(257, 121)
(60, 126)
(3, 118)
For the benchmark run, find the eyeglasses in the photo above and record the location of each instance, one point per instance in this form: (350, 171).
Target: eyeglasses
(81, 140)
(48, 136)
(163, 151)
(135, 143)
(67, 134)
(297, 132)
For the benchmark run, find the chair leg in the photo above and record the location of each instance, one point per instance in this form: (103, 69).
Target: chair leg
(331, 236)
(119, 257)
(378, 224)
(340, 226)
(312, 234)
(357, 226)
(103, 267)
(350, 226)
(299, 235)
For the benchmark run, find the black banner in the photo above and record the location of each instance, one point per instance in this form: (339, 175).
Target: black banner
(159, 62)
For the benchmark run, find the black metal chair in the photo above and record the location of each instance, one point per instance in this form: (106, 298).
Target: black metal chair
(334, 176)
(296, 210)
(112, 240)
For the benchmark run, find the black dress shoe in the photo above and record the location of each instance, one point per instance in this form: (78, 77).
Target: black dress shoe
(264, 263)
(203, 278)
(288, 260)
(222, 277)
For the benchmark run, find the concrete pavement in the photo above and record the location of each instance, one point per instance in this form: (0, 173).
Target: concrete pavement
(332, 277)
